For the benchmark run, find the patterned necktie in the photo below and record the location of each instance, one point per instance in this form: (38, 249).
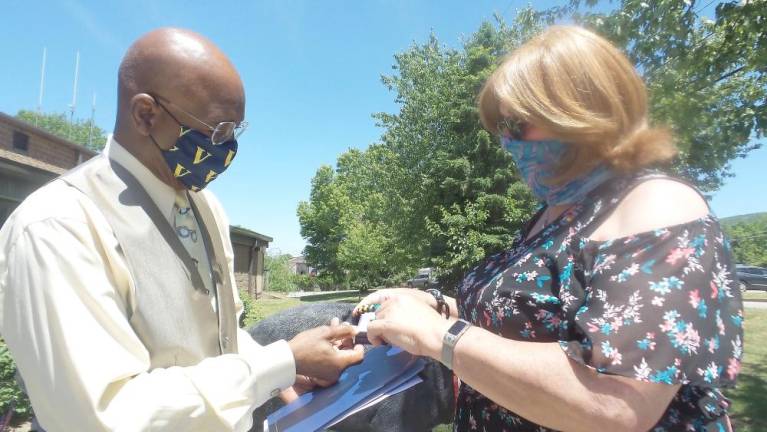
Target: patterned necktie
(188, 231)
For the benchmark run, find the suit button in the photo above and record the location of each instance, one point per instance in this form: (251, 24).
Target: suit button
(275, 392)
(206, 291)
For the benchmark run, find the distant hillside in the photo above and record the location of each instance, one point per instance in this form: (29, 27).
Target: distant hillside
(752, 217)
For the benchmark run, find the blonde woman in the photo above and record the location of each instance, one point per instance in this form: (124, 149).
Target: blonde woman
(616, 308)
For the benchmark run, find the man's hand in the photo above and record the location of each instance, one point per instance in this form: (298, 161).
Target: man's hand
(318, 352)
(302, 385)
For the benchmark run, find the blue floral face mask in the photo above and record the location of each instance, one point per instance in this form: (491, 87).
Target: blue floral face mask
(537, 161)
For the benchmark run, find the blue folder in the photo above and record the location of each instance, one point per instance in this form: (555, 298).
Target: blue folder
(385, 369)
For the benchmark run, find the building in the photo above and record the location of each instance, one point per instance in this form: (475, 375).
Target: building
(31, 157)
(298, 266)
(249, 251)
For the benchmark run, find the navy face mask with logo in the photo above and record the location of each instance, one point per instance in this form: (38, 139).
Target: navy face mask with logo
(195, 161)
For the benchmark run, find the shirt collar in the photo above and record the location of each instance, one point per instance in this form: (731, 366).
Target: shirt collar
(162, 194)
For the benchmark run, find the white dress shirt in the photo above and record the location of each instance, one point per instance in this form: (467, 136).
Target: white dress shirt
(65, 298)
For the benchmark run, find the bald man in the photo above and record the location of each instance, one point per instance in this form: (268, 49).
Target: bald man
(117, 292)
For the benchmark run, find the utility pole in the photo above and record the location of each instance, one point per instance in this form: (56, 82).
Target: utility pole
(90, 127)
(42, 86)
(74, 95)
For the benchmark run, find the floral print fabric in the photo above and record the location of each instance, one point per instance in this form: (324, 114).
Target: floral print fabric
(660, 306)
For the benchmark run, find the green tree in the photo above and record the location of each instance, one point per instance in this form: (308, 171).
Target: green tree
(350, 219)
(439, 191)
(319, 219)
(279, 274)
(749, 241)
(466, 200)
(83, 132)
(707, 77)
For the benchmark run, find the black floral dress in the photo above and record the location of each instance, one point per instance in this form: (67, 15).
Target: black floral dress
(660, 306)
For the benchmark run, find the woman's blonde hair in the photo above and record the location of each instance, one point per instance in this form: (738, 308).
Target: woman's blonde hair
(577, 86)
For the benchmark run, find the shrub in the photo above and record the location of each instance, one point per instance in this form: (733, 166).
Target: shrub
(10, 393)
(248, 309)
(304, 282)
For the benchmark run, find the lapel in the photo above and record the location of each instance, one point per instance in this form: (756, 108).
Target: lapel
(219, 269)
(134, 195)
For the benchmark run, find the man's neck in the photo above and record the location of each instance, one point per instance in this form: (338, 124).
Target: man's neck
(149, 156)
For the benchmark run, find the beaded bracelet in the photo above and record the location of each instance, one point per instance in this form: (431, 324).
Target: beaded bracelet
(373, 307)
(441, 303)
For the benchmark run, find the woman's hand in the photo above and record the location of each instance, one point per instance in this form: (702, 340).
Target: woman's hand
(381, 296)
(410, 324)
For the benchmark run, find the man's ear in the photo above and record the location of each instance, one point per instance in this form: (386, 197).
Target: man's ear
(144, 113)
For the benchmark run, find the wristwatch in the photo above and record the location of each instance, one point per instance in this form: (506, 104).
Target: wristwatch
(450, 339)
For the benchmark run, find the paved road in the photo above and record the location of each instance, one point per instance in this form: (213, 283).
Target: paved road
(756, 304)
(299, 294)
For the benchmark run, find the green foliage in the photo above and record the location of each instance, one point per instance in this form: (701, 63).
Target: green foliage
(304, 282)
(706, 77)
(749, 241)
(279, 274)
(10, 393)
(248, 310)
(351, 218)
(83, 132)
(751, 217)
(439, 191)
(282, 278)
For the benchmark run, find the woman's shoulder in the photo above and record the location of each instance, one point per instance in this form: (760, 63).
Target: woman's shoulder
(651, 203)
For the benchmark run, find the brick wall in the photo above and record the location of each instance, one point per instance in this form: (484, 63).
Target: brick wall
(42, 147)
(241, 279)
(6, 136)
(52, 153)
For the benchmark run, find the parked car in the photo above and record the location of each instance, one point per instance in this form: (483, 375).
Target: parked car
(751, 277)
(422, 280)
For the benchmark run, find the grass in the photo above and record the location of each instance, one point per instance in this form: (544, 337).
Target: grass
(753, 295)
(749, 399)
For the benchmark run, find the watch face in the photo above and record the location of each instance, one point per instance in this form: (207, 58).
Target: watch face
(457, 327)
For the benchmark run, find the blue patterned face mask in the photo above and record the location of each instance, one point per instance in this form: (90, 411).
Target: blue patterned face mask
(195, 161)
(538, 160)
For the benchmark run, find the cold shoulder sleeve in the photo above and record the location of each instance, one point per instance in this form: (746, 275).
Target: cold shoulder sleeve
(660, 306)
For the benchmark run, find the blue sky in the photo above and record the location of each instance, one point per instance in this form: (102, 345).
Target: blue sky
(312, 78)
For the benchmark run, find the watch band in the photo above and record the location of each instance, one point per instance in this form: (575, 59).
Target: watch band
(450, 339)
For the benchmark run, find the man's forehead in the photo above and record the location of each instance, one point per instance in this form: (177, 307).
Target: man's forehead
(224, 112)
(209, 100)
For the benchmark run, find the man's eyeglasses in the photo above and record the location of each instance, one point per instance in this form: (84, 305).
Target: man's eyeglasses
(511, 128)
(219, 134)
